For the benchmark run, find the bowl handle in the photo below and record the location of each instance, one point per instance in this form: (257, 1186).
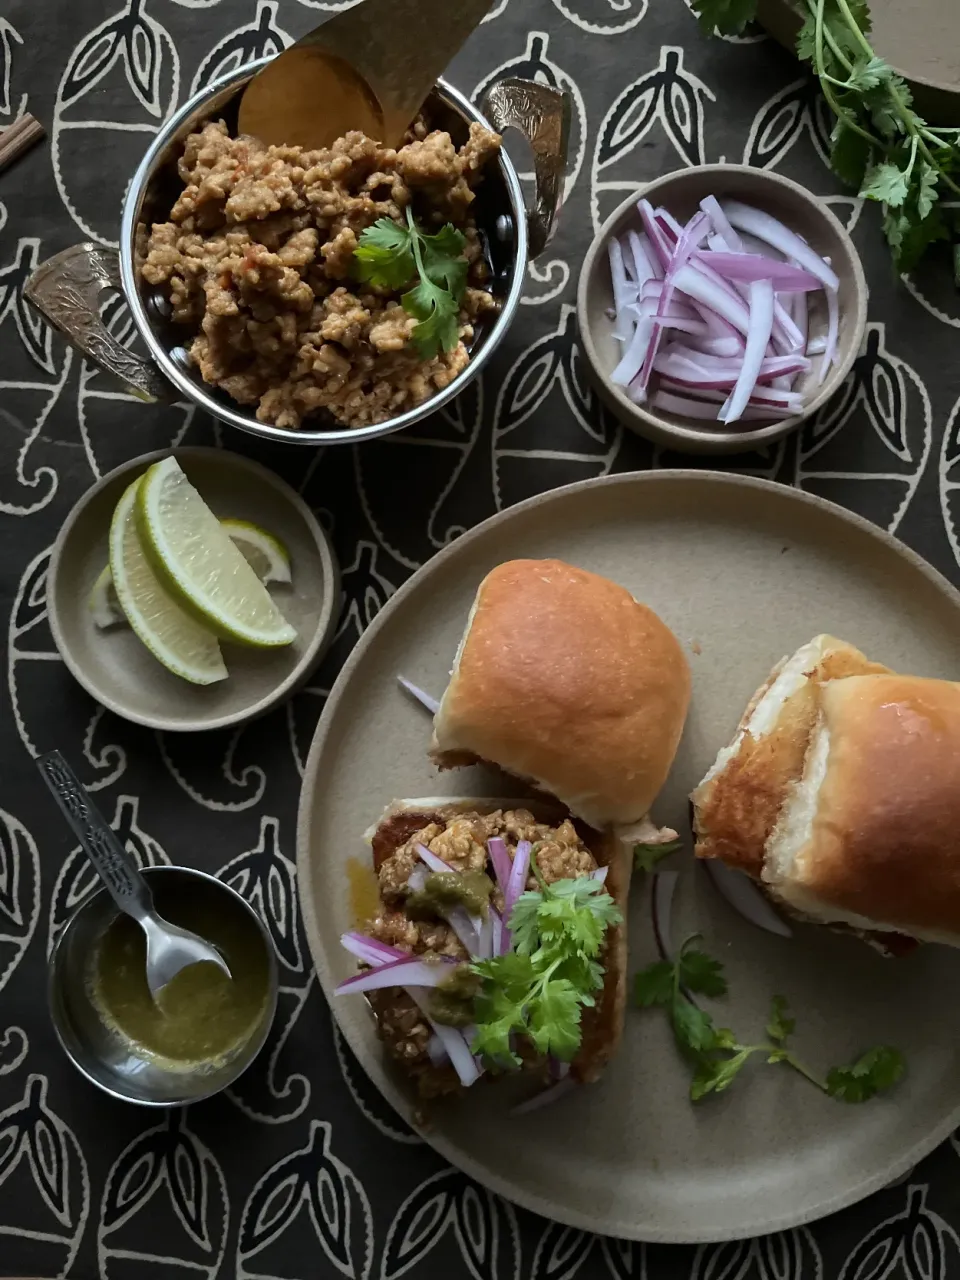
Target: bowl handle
(66, 290)
(542, 115)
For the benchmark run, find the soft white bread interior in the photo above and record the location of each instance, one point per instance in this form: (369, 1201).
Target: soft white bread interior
(602, 1025)
(564, 680)
(869, 836)
(738, 803)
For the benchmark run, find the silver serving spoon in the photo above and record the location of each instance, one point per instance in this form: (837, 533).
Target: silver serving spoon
(169, 948)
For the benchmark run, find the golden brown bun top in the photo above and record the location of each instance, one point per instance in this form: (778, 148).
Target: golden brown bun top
(737, 807)
(564, 679)
(886, 837)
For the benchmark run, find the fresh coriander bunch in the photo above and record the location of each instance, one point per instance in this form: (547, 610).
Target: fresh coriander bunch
(879, 145)
(538, 991)
(392, 256)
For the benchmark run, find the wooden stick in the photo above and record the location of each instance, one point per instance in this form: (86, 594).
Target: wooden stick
(18, 137)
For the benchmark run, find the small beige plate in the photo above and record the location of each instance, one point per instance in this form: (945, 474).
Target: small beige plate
(744, 571)
(121, 673)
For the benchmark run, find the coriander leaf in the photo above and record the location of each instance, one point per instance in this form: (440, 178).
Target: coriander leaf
(384, 255)
(780, 1025)
(868, 73)
(910, 239)
(729, 17)
(443, 259)
(554, 1020)
(654, 985)
(875, 1072)
(807, 39)
(886, 183)
(692, 1027)
(725, 1039)
(850, 154)
(927, 194)
(438, 319)
(646, 856)
(701, 974)
(713, 1075)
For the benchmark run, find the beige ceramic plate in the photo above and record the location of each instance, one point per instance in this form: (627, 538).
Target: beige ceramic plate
(121, 673)
(744, 571)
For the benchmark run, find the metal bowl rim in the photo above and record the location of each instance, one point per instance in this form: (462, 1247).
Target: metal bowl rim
(343, 435)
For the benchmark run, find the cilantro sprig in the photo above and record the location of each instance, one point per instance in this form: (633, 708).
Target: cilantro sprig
(879, 145)
(539, 989)
(716, 1054)
(392, 256)
(646, 856)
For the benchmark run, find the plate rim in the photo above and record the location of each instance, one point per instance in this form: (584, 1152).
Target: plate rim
(312, 655)
(437, 1141)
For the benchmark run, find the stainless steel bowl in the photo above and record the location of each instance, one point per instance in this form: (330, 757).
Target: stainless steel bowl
(103, 1056)
(67, 288)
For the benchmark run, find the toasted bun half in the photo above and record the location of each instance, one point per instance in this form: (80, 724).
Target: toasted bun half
(738, 803)
(870, 836)
(602, 1025)
(564, 680)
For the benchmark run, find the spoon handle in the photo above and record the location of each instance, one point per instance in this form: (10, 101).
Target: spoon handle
(110, 859)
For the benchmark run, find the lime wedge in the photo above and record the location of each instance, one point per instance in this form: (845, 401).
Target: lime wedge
(196, 560)
(103, 603)
(264, 552)
(172, 636)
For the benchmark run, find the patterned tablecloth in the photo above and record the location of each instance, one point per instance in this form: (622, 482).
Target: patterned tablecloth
(302, 1170)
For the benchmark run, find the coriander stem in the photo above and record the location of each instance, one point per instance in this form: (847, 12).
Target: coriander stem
(807, 1074)
(835, 49)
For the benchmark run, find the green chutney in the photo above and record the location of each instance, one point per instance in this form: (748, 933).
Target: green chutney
(201, 1016)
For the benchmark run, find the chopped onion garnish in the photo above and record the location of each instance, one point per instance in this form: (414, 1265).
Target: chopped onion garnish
(417, 879)
(425, 699)
(436, 1051)
(454, 1041)
(697, 283)
(746, 898)
(469, 929)
(543, 1099)
(600, 874)
(500, 857)
(433, 862)
(371, 950)
(411, 971)
(518, 877)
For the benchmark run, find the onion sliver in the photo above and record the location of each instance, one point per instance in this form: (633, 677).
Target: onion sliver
(694, 282)
(645, 263)
(746, 898)
(761, 327)
(411, 971)
(833, 333)
(767, 228)
(751, 266)
(500, 858)
(425, 699)
(371, 950)
(434, 862)
(543, 1099)
(633, 356)
(436, 1051)
(654, 234)
(455, 1042)
(518, 877)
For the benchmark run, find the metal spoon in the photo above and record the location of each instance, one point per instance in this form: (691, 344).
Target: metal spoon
(169, 948)
(369, 68)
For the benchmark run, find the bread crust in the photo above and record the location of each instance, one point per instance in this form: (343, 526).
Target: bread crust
(884, 844)
(736, 810)
(565, 681)
(602, 1025)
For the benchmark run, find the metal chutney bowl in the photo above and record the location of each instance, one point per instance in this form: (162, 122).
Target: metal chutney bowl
(67, 289)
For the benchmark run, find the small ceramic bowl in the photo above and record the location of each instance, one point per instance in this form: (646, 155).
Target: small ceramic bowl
(121, 673)
(680, 193)
(108, 1060)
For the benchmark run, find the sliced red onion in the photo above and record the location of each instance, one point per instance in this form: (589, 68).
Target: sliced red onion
(727, 348)
(623, 290)
(469, 929)
(688, 407)
(751, 266)
(634, 354)
(761, 326)
(767, 228)
(655, 236)
(417, 879)
(689, 238)
(434, 862)
(436, 1051)
(600, 874)
(731, 240)
(671, 227)
(426, 700)
(411, 970)
(645, 263)
(552, 1093)
(664, 887)
(817, 346)
(454, 1041)
(371, 950)
(500, 857)
(693, 281)
(518, 877)
(746, 898)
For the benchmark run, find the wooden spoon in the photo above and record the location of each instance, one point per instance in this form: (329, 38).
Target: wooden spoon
(368, 68)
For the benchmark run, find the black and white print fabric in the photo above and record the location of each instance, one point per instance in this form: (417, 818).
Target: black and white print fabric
(302, 1170)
